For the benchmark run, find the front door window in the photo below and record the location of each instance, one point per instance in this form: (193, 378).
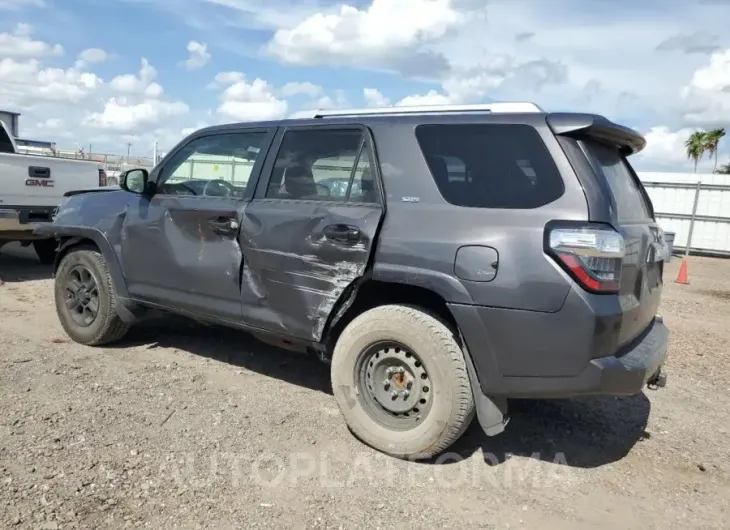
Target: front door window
(218, 165)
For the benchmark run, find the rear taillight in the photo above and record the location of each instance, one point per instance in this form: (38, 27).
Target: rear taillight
(102, 178)
(592, 255)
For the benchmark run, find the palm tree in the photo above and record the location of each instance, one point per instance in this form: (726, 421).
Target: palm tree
(712, 141)
(696, 145)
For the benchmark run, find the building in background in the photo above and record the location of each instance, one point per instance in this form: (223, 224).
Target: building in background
(11, 121)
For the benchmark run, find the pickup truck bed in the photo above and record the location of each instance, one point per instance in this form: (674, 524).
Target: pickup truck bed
(32, 187)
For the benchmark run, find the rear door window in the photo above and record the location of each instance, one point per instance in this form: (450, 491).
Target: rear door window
(323, 165)
(630, 200)
(490, 165)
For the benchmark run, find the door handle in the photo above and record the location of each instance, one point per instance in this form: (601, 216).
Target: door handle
(343, 233)
(223, 225)
(37, 172)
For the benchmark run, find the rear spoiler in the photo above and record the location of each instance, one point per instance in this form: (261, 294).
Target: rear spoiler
(598, 128)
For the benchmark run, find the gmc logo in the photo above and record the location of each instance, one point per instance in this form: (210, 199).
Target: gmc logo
(39, 183)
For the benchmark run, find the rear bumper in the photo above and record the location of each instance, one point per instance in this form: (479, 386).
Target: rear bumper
(10, 222)
(622, 374)
(20, 222)
(609, 376)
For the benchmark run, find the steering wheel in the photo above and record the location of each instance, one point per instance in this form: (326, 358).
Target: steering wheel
(187, 187)
(219, 184)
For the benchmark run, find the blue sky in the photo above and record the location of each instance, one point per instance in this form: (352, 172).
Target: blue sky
(108, 72)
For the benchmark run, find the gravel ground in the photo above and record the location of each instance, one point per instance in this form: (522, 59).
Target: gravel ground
(191, 426)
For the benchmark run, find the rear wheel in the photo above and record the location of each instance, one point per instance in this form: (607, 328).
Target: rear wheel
(85, 299)
(400, 380)
(45, 249)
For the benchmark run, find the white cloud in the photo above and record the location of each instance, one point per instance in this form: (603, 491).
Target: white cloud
(60, 103)
(142, 84)
(198, 55)
(665, 148)
(473, 84)
(66, 85)
(51, 124)
(185, 131)
(268, 15)
(716, 75)
(93, 56)
(254, 101)
(9, 68)
(468, 51)
(471, 48)
(328, 103)
(19, 44)
(24, 84)
(707, 96)
(121, 115)
(432, 97)
(136, 84)
(27, 86)
(445, 40)
(13, 5)
(223, 79)
(374, 98)
(389, 34)
(295, 88)
(140, 106)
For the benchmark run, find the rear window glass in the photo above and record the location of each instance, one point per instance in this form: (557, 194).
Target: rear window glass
(490, 165)
(630, 202)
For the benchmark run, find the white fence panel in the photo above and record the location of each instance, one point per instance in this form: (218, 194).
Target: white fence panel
(673, 196)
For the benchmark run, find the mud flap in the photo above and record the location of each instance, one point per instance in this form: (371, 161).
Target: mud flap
(491, 412)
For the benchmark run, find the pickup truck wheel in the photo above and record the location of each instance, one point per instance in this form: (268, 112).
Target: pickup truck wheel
(85, 299)
(400, 380)
(45, 249)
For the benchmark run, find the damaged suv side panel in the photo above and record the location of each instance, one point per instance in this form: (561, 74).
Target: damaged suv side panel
(303, 250)
(272, 263)
(519, 257)
(293, 275)
(100, 220)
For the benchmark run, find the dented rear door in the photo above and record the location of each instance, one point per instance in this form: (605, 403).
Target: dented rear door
(310, 230)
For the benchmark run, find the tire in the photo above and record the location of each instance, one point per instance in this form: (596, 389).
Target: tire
(45, 249)
(425, 337)
(106, 326)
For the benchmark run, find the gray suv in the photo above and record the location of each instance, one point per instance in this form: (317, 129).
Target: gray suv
(441, 259)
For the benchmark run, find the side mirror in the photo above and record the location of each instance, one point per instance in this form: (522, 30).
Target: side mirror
(135, 181)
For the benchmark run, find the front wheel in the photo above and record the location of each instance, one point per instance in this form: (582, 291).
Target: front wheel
(86, 301)
(400, 380)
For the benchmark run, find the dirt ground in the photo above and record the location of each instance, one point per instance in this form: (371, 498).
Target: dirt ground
(188, 426)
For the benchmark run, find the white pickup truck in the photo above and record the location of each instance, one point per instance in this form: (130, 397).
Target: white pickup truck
(32, 187)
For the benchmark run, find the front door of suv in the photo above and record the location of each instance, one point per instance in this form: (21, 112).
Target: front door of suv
(180, 247)
(310, 229)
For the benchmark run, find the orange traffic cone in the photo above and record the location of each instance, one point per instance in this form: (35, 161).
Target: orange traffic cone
(682, 274)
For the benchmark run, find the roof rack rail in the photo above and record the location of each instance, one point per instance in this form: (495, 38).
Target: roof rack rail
(496, 108)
